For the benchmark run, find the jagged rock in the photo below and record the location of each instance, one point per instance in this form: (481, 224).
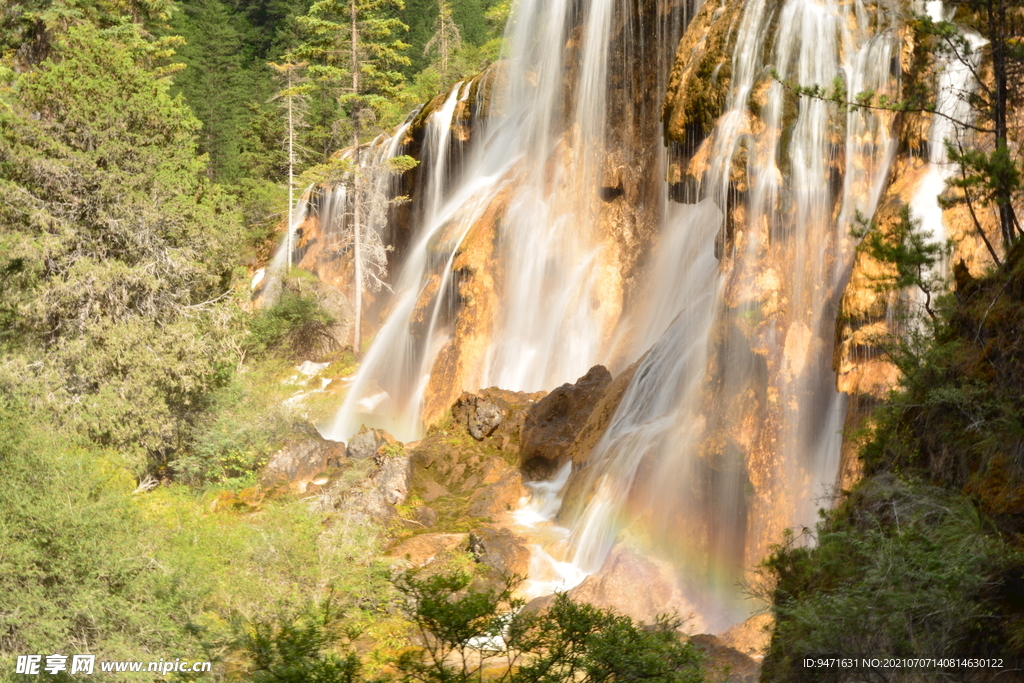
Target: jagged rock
(479, 415)
(750, 637)
(368, 443)
(553, 424)
(421, 550)
(637, 586)
(303, 460)
(432, 490)
(575, 493)
(724, 664)
(375, 497)
(497, 498)
(501, 550)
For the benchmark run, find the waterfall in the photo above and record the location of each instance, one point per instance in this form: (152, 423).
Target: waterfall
(540, 166)
(729, 431)
(955, 79)
(523, 272)
(267, 283)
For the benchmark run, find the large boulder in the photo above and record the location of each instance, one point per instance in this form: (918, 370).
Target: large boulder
(374, 498)
(368, 443)
(576, 492)
(555, 421)
(500, 549)
(303, 460)
(639, 587)
(479, 415)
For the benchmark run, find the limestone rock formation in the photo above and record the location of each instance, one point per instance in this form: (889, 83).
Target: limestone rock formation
(302, 461)
(553, 424)
(457, 363)
(498, 498)
(479, 415)
(369, 443)
(500, 549)
(639, 587)
(374, 498)
(576, 492)
(750, 637)
(425, 549)
(725, 664)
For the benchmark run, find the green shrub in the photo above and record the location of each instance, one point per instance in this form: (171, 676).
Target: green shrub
(296, 326)
(902, 568)
(76, 567)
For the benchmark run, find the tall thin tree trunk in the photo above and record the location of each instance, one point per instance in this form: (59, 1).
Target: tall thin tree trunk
(441, 7)
(357, 228)
(997, 34)
(290, 239)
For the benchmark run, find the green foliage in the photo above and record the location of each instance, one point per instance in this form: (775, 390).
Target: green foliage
(216, 81)
(75, 571)
(905, 248)
(989, 173)
(465, 631)
(30, 29)
(296, 325)
(924, 556)
(354, 55)
(293, 651)
(901, 569)
(247, 422)
(120, 252)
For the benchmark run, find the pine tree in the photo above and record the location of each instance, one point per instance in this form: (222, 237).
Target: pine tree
(352, 51)
(293, 98)
(215, 82)
(447, 38)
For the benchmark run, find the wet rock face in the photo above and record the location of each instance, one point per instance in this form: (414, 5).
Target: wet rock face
(576, 492)
(302, 461)
(479, 415)
(637, 586)
(552, 424)
(368, 443)
(500, 549)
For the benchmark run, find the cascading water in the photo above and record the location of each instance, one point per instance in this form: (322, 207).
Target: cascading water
(955, 80)
(539, 165)
(729, 431)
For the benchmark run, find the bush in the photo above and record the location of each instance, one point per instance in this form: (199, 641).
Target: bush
(76, 570)
(901, 569)
(296, 326)
(466, 632)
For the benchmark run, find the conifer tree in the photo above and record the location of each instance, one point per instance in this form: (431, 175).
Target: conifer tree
(447, 38)
(293, 98)
(352, 50)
